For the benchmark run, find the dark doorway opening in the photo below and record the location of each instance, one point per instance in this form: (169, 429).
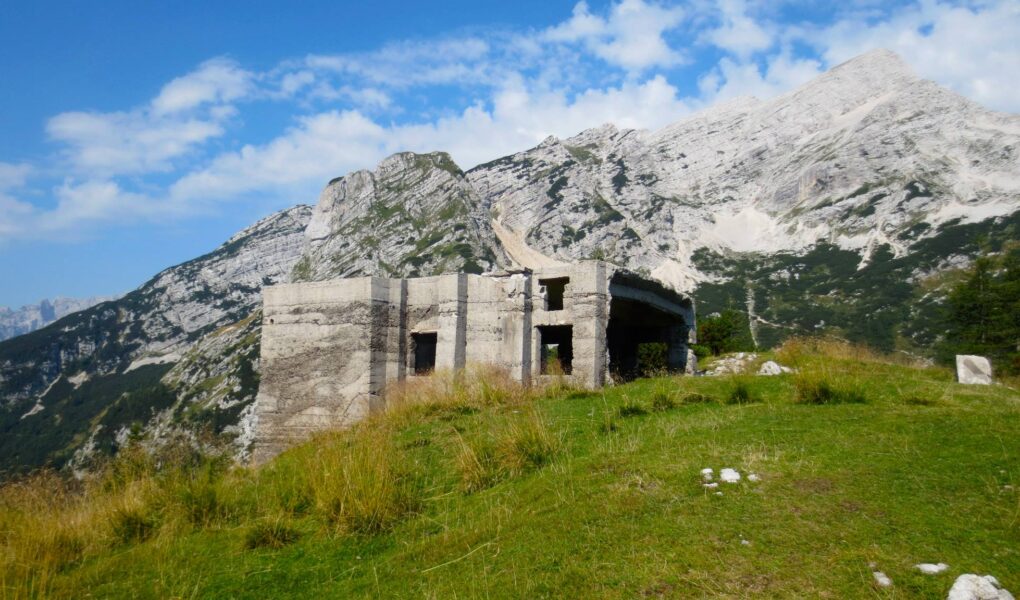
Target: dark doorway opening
(554, 291)
(644, 340)
(557, 349)
(424, 351)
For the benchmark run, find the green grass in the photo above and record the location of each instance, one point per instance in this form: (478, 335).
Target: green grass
(496, 493)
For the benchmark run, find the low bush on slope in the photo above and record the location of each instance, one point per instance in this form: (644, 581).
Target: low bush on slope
(474, 486)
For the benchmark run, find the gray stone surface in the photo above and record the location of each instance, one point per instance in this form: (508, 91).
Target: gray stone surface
(976, 587)
(974, 370)
(771, 367)
(329, 348)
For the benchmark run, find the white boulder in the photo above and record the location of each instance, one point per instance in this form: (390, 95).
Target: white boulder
(973, 369)
(931, 569)
(771, 367)
(729, 475)
(976, 587)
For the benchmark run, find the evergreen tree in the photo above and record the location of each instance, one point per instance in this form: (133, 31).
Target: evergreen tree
(984, 312)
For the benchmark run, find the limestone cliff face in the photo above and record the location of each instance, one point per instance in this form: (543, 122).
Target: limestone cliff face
(866, 155)
(415, 214)
(55, 383)
(15, 322)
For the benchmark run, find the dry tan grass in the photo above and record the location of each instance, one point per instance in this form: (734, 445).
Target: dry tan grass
(356, 480)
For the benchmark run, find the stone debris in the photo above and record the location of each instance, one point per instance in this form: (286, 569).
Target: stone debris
(975, 587)
(882, 579)
(753, 477)
(707, 474)
(771, 367)
(711, 486)
(733, 364)
(744, 542)
(729, 475)
(974, 370)
(931, 569)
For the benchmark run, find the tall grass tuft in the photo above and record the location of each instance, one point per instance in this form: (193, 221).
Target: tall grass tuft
(817, 387)
(523, 443)
(270, 532)
(741, 391)
(359, 482)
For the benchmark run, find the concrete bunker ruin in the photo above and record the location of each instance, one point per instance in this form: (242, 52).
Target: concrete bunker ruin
(330, 348)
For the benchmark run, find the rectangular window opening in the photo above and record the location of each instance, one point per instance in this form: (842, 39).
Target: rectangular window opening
(424, 350)
(554, 290)
(557, 349)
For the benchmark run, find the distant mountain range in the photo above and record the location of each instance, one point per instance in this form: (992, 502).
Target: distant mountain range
(34, 316)
(843, 207)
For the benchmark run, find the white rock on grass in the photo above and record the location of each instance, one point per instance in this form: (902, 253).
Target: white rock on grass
(976, 587)
(753, 477)
(729, 475)
(707, 474)
(975, 370)
(771, 367)
(882, 579)
(931, 569)
(710, 486)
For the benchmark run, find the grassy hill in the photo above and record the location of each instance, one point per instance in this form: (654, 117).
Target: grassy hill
(478, 488)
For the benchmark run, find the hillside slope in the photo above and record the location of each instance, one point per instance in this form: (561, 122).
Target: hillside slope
(85, 379)
(486, 490)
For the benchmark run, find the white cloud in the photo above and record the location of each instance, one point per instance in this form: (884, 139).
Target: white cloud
(974, 51)
(333, 143)
(12, 211)
(13, 175)
(216, 81)
(405, 64)
(188, 111)
(631, 36)
(129, 142)
(316, 149)
(732, 79)
(79, 205)
(738, 32)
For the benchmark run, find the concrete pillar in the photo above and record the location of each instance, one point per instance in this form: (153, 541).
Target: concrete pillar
(676, 344)
(452, 334)
(588, 293)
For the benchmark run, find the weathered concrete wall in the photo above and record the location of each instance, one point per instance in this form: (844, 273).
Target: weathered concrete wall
(320, 363)
(330, 348)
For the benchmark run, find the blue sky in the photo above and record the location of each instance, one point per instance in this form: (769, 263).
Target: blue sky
(137, 135)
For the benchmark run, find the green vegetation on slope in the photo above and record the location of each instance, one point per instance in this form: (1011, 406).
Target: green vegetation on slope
(984, 312)
(890, 303)
(478, 488)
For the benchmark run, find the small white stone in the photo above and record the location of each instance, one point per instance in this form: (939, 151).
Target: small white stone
(753, 477)
(744, 542)
(718, 493)
(706, 474)
(931, 569)
(729, 475)
(882, 579)
(710, 486)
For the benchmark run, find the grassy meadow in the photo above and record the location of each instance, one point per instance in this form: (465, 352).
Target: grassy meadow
(475, 487)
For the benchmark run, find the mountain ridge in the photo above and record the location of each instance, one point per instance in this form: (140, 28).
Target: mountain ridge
(834, 208)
